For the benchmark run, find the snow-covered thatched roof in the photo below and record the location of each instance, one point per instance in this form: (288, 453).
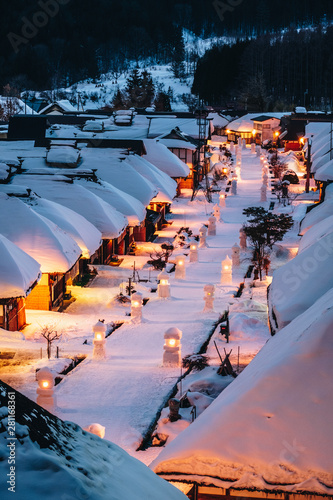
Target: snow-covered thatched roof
(87, 236)
(269, 429)
(132, 208)
(317, 214)
(316, 232)
(114, 168)
(104, 217)
(18, 271)
(36, 235)
(160, 156)
(58, 460)
(167, 187)
(325, 173)
(304, 279)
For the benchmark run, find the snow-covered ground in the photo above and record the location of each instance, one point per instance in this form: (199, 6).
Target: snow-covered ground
(125, 391)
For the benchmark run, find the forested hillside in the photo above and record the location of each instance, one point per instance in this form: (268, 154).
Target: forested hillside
(53, 43)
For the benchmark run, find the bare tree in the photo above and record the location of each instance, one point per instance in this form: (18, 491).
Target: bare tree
(50, 334)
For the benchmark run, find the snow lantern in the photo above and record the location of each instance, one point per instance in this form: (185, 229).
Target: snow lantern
(222, 198)
(235, 257)
(234, 186)
(99, 340)
(263, 193)
(242, 239)
(265, 179)
(202, 236)
(258, 149)
(136, 307)
(253, 147)
(239, 141)
(226, 271)
(193, 252)
(209, 291)
(45, 397)
(232, 147)
(217, 212)
(172, 347)
(180, 271)
(97, 429)
(212, 226)
(244, 144)
(163, 288)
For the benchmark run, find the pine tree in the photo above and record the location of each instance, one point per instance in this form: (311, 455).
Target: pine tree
(119, 100)
(264, 229)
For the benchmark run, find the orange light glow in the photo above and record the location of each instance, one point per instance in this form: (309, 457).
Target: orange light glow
(226, 268)
(228, 131)
(172, 342)
(135, 304)
(45, 384)
(180, 262)
(98, 336)
(254, 132)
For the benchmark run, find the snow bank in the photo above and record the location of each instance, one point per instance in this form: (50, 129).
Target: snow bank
(49, 245)
(265, 431)
(325, 173)
(58, 460)
(18, 271)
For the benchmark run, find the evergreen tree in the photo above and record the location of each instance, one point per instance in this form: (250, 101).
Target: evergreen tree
(264, 229)
(119, 100)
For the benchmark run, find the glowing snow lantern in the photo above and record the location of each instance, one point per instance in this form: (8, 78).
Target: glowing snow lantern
(45, 397)
(209, 297)
(172, 347)
(193, 252)
(99, 340)
(212, 226)
(180, 271)
(232, 145)
(222, 200)
(136, 307)
(226, 271)
(97, 429)
(265, 180)
(163, 288)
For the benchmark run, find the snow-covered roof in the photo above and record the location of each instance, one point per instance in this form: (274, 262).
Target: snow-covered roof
(167, 187)
(36, 235)
(301, 281)
(119, 173)
(218, 120)
(316, 232)
(177, 144)
(64, 104)
(63, 155)
(268, 430)
(164, 125)
(58, 460)
(245, 123)
(86, 235)
(124, 203)
(18, 271)
(320, 161)
(162, 158)
(104, 217)
(317, 214)
(325, 173)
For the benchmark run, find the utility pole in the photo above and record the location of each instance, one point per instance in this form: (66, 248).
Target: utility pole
(308, 166)
(200, 169)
